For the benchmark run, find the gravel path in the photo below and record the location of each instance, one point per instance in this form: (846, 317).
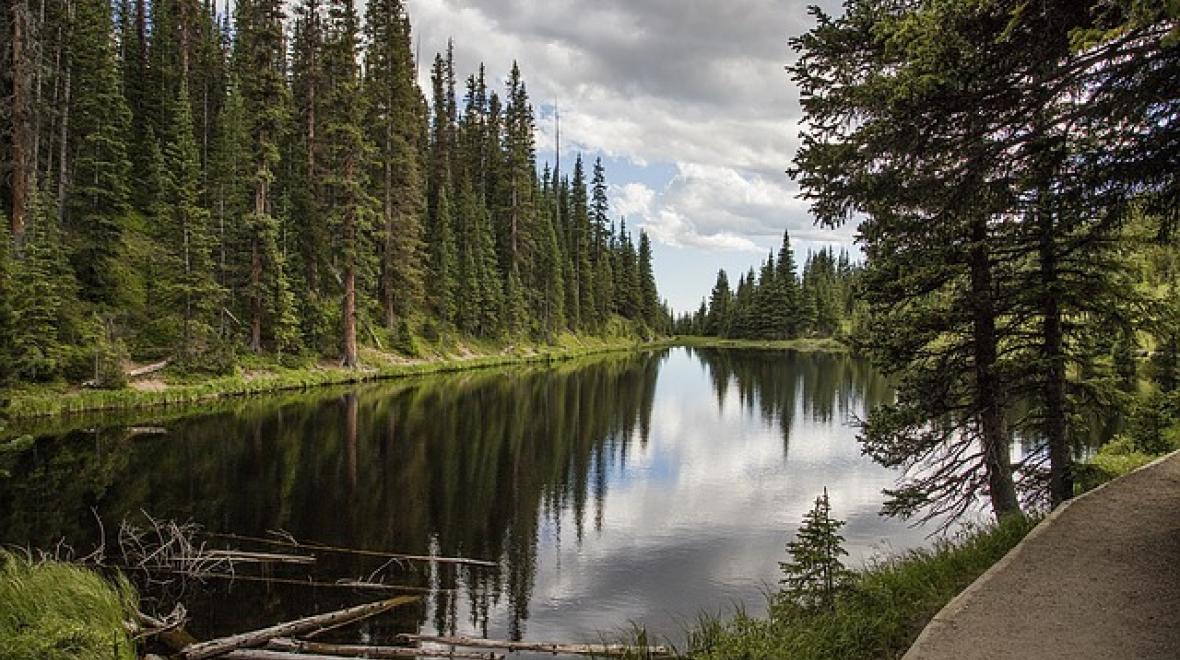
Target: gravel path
(1098, 579)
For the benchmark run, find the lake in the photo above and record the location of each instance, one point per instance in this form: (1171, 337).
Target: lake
(633, 488)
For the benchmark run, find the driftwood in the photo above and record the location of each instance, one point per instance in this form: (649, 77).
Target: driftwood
(169, 631)
(224, 645)
(320, 547)
(260, 557)
(543, 647)
(147, 369)
(341, 584)
(132, 373)
(368, 651)
(255, 654)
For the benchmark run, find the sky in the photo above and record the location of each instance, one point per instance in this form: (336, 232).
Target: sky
(686, 101)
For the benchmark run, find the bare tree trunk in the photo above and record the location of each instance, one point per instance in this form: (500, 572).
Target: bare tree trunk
(22, 137)
(35, 160)
(63, 145)
(997, 457)
(313, 271)
(388, 269)
(349, 358)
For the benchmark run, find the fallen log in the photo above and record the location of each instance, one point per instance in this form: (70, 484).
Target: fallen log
(616, 650)
(368, 651)
(320, 547)
(224, 645)
(256, 654)
(147, 369)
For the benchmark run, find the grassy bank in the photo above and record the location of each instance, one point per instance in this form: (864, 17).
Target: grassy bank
(261, 375)
(878, 616)
(52, 611)
(258, 376)
(806, 344)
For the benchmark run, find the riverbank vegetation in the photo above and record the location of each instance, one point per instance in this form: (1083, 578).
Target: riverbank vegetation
(51, 610)
(186, 185)
(875, 612)
(263, 374)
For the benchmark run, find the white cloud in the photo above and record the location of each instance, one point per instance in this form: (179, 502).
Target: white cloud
(699, 85)
(714, 207)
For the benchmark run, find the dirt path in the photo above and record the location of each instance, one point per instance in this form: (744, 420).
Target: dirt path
(1099, 579)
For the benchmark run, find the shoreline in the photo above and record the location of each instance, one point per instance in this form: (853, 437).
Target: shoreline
(49, 402)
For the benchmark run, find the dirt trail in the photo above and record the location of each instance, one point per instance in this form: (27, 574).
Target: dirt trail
(1099, 579)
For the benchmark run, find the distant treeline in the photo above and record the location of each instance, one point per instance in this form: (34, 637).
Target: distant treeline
(181, 182)
(773, 302)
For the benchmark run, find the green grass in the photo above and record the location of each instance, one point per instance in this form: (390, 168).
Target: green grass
(51, 611)
(878, 616)
(1114, 459)
(257, 376)
(806, 344)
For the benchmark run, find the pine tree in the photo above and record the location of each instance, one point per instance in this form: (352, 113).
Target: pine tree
(44, 289)
(815, 575)
(98, 203)
(351, 209)
(648, 296)
(393, 100)
(582, 245)
(309, 98)
(720, 307)
(187, 234)
(601, 231)
(259, 64)
(787, 302)
(443, 266)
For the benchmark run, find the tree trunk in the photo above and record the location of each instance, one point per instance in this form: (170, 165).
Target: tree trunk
(1053, 352)
(63, 147)
(349, 359)
(388, 270)
(994, 436)
(255, 298)
(21, 120)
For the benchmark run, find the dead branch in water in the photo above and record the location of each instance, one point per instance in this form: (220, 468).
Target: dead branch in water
(168, 547)
(259, 637)
(339, 584)
(290, 542)
(368, 651)
(615, 650)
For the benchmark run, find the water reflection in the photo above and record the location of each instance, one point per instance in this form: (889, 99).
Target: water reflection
(642, 487)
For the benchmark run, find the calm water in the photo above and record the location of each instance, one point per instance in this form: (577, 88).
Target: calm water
(637, 488)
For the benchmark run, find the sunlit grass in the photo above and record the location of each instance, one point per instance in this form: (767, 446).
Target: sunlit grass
(258, 375)
(51, 610)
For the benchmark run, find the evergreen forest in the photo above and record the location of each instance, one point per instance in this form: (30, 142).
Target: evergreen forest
(196, 183)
